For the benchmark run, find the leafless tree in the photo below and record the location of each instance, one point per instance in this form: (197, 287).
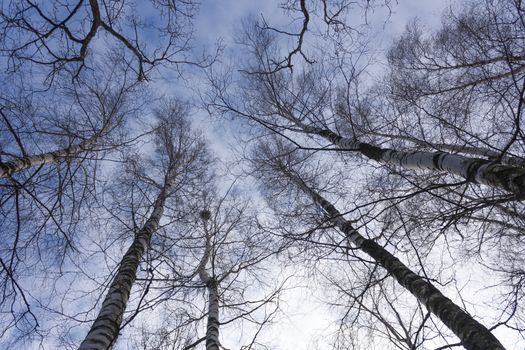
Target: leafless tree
(51, 147)
(362, 176)
(316, 18)
(461, 88)
(465, 81)
(67, 35)
(436, 128)
(180, 159)
(68, 122)
(210, 272)
(304, 106)
(276, 160)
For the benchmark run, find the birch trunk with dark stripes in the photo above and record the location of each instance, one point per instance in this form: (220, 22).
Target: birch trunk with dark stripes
(212, 327)
(473, 335)
(212, 285)
(491, 154)
(106, 327)
(26, 162)
(506, 177)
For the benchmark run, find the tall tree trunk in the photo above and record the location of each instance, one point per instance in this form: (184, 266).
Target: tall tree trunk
(212, 327)
(505, 177)
(470, 150)
(105, 329)
(26, 162)
(473, 335)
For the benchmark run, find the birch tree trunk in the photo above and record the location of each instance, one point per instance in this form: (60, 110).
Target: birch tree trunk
(473, 335)
(106, 327)
(22, 163)
(506, 177)
(471, 150)
(212, 327)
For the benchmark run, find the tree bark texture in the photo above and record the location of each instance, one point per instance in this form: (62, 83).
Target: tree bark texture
(473, 335)
(470, 150)
(212, 327)
(22, 163)
(506, 177)
(212, 285)
(106, 327)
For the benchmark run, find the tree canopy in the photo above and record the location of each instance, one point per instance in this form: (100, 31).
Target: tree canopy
(163, 188)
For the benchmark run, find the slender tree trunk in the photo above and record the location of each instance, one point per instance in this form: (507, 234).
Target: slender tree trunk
(212, 327)
(470, 150)
(22, 163)
(105, 329)
(505, 177)
(473, 335)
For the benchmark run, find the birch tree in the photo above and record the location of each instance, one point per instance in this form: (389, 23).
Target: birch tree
(471, 333)
(304, 107)
(462, 86)
(435, 145)
(106, 327)
(82, 129)
(215, 278)
(466, 80)
(212, 285)
(51, 148)
(66, 36)
(180, 158)
(228, 260)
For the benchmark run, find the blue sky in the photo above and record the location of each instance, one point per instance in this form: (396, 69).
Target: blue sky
(305, 323)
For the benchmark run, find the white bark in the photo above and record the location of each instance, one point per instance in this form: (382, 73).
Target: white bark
(106, 327)
(506, 177)
(212, 327)
(488, 153)
(22, 163)
(473, 335)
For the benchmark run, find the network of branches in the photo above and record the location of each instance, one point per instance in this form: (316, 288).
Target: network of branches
(385, 181)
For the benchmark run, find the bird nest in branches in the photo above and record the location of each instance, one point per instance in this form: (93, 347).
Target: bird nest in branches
(205, 215)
